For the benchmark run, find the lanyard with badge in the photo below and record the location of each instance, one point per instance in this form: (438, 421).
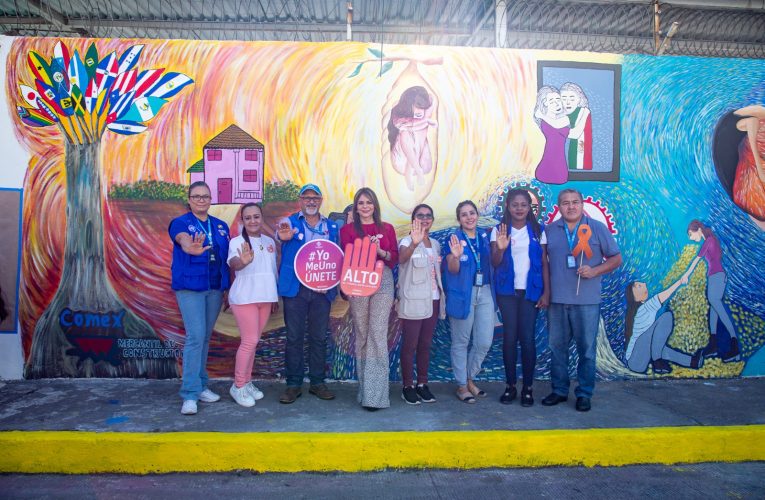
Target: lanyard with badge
(321, 231)
(478, 279)
(208, 233)
(570, 259)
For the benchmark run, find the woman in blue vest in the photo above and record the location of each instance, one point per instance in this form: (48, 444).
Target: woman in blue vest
(200, 276)
(470, 304)
(522, 285)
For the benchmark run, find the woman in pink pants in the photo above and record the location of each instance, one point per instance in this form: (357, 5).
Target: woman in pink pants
(252, 256)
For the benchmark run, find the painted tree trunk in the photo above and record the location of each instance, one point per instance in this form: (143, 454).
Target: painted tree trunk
(84, 330)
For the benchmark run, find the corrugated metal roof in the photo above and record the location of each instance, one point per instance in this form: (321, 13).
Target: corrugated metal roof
(707, 27)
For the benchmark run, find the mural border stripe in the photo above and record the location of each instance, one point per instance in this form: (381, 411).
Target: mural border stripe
(72, 452)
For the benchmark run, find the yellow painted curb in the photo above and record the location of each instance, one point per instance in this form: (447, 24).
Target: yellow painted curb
(140, 453)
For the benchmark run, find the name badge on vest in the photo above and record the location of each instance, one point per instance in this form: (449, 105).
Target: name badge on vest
(212, 255)
(478, 281)
(570, 261)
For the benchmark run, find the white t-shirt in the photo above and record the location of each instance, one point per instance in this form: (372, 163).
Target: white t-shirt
(644, 318)
(519, 246)
(257, 281)
(406, 241)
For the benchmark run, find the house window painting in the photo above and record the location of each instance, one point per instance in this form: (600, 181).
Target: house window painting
(577, 111)
(232, 164)
(250, 176)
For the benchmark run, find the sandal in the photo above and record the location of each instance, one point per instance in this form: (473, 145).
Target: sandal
(474, 390)
(465, 396)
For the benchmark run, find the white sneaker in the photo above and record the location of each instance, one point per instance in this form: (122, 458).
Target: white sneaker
(241, 395)
(189, 407)
(256, 393)
(208, 396)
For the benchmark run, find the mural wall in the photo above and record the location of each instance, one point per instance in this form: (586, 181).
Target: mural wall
(669, 151)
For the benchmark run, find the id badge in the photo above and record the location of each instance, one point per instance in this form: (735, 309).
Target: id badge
(478, 279)
(571, 262)
(212, 256)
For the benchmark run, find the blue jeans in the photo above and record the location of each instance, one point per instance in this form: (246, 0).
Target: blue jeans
(580, 322)
(307, 312)
(480, 325)
(199, 311)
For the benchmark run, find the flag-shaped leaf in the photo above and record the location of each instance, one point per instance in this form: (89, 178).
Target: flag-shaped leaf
(61, 53)
(169, 85)
(143, 109)
(124, 82)
(49, 95)
(119, 107)
(39, 67)
(91, 61)
(106, 72)
(146, 79)
(77, 101)
(126, 127)
(30, 95)
(46, 110)
(129, 58)
(32, 117)
(78, 75)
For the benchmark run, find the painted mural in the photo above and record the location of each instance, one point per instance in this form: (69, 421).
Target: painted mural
(669, 152)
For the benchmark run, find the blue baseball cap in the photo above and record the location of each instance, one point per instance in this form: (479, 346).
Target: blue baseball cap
(310, 187)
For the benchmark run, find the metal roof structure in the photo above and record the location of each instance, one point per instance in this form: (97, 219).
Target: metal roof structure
(724, 28)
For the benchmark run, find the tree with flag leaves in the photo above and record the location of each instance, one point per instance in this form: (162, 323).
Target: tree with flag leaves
(86, 326)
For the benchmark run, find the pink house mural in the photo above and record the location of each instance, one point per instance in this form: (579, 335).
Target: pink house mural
(232, 165)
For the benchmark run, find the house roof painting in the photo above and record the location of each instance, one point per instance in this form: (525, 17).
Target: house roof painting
(233, 138)
(199, 166)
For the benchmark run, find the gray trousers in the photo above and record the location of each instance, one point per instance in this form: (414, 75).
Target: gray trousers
(479, 324)
(715, 292)
(652, 345)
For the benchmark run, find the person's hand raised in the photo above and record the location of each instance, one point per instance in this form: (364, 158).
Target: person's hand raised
(455, 246)
(196, 246)
(503, 239)
(246, 253)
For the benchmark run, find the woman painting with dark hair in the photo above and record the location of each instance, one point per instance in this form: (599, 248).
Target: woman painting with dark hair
(200, 275)
(253, 296)
(370, 314)
(522, 285)
(717, 280)
(646, 334)
(408, 135)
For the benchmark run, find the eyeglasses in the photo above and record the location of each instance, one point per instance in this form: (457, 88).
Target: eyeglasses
(200, 197)
(311, 199)
(423, 216)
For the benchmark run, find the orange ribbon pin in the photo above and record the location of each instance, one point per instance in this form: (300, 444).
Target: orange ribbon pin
(583, 234)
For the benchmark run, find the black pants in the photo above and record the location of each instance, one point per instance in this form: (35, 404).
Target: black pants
(519, 317)
(307, 312)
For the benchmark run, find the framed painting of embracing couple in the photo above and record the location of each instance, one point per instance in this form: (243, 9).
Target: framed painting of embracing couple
(577, 110)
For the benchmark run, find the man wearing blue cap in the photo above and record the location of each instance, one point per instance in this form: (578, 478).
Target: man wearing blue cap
(301, 304)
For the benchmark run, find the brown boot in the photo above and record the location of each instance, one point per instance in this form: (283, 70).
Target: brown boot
(290, 395)
(321, 391)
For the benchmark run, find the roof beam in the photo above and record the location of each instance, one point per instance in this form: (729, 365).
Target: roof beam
(53, 16)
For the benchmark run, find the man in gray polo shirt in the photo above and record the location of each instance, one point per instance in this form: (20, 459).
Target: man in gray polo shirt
(575, 293)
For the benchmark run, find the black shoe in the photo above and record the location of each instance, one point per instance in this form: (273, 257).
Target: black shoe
(697, 360)
(710, 349)
(526, 398)
(583, 404)
(734, 354)
(553, 399)
(425, 395)
(509, 394)
(409, 395)
(661, 367)
(370, 408)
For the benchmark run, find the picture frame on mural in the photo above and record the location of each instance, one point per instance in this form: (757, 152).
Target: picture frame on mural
(590, 97)
(10, 253)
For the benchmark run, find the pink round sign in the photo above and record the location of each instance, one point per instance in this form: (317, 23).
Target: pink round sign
(318, 264)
